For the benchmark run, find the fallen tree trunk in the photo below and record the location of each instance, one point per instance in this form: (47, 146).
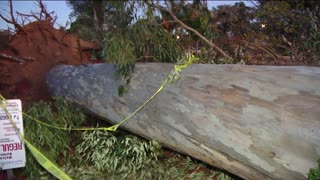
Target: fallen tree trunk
(258, 122)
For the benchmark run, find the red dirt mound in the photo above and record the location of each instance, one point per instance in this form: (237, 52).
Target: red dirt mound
(32, 52)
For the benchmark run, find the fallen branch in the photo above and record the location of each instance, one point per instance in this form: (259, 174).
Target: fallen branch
(265, 49)
(16, 59)
(160, 24)
(193, 30)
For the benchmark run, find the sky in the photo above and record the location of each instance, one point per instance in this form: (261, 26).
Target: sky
(62, 10)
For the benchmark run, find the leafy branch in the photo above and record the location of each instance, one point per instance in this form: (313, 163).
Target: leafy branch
(211, 44)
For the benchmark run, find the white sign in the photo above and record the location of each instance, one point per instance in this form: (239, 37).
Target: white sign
(12, 150)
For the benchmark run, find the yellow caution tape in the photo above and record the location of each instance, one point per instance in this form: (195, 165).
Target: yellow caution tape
(42, 159)
(54, 169)
(46, 163)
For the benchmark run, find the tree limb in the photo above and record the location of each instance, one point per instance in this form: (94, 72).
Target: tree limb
(173, 21)
(266, 50)
(16, 59)
(194, 31)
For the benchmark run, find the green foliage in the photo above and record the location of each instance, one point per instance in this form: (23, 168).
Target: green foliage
(153, 41)
(99, 154)
(53, 143)
(84, 27)
(122, 90)
(126, 42)
(145, 40)
(119, 50)
(183, 167)
(236, 19)
(89, 18)
(128, 38)
(119, 14)
(314, 174)
(283, 17)
(194, 14)
(135, 159)
(118, 47)
(312, 44)
(292, 28)
(126, 155)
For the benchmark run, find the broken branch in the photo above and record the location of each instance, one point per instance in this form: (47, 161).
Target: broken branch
(16, 59)
(193, 30)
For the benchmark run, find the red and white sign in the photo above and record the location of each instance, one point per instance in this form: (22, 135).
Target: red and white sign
(12, 150)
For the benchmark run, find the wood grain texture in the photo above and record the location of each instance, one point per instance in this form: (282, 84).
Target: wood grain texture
(258, 122)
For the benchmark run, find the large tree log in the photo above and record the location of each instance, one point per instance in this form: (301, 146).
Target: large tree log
(258, 122)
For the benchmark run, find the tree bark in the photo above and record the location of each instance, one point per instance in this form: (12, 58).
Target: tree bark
(258, 122)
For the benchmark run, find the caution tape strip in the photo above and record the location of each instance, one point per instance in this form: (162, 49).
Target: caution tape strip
(42, 159)
(52, 167)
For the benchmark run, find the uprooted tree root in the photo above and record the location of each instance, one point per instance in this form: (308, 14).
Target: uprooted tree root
(28, 54)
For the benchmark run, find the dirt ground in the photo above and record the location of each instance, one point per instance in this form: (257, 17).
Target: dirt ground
(32, 52)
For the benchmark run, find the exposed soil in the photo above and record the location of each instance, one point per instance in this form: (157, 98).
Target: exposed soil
(39, 47)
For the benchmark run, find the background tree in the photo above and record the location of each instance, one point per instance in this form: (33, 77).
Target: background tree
(288, 18)
(235, 19)
(292, 26)
(148, 31)
(89, 18)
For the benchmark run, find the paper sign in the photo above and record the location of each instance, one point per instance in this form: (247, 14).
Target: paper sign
(12, 150)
